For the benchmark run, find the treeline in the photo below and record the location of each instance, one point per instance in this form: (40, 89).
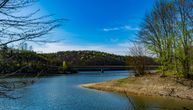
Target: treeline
(87, 58)
(167, 32)
(95, 58)
(23, 62)
(14, 61)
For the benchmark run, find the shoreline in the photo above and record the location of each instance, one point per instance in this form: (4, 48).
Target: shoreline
(148, 85)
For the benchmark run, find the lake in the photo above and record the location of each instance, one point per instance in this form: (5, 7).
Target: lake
(64, 93)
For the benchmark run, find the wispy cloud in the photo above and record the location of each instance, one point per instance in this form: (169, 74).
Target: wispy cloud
(111, 29)
(129, 28)
(125, 27)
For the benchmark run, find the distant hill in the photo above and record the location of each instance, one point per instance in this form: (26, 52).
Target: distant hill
(22, 61)
(88, 58)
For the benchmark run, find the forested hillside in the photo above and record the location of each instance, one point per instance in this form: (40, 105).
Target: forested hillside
(22, 61)
(87, 58)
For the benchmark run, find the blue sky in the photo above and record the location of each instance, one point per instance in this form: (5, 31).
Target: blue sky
(102, 25)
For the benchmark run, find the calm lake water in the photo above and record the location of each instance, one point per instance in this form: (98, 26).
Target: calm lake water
(64, 93)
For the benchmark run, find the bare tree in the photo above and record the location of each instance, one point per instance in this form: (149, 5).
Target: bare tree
(138, 53)
(17, 27)
(28, 27)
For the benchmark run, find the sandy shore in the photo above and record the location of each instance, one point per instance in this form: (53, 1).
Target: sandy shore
(148, 85)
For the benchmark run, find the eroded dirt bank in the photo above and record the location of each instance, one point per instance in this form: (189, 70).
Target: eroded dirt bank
(148, 85)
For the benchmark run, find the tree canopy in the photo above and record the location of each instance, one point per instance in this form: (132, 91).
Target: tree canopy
(167, 31)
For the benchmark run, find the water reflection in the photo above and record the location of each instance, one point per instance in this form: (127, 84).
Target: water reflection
(160, 103)
(64, 93)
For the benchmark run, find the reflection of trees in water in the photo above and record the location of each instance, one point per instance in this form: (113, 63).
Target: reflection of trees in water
(7, 86)
(149, 103)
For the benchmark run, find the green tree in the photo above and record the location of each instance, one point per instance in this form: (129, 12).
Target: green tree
(167, 32)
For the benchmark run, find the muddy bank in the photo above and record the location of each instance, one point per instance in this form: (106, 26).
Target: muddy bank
(148, 85)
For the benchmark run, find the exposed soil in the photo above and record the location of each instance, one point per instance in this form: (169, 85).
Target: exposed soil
(148, 85)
